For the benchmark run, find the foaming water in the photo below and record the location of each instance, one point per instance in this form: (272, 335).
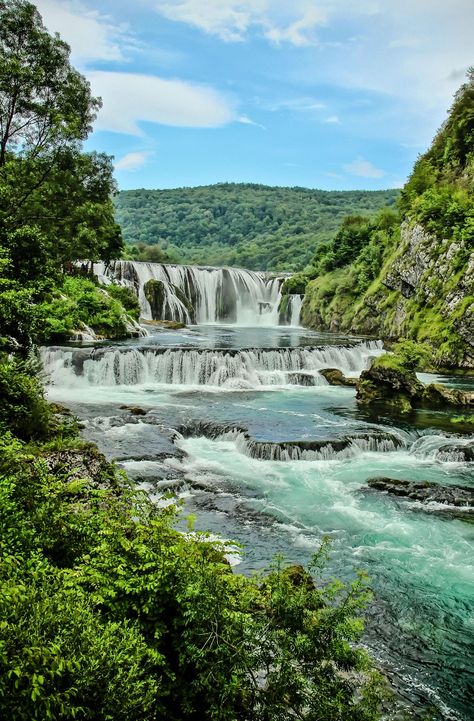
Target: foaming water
(421, 566)
(246, 368)
(232, 295)
(263, 450)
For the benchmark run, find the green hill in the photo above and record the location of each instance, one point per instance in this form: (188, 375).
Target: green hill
(254, 226)
(409, 276)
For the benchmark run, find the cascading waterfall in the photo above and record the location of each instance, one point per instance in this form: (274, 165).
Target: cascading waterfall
(248, 368)
(226, 295)
(287, 451)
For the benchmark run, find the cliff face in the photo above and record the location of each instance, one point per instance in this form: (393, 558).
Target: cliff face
(423, 287)
(424, 292)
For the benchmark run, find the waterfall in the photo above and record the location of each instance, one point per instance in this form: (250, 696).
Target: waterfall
(342, 448)
(216, 295)
(248, 368)
(294, 309)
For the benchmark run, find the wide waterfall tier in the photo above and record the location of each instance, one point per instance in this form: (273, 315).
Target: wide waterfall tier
(250, 368)
(197, 294)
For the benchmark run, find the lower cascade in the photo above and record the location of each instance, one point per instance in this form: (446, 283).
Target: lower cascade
(199, 294)
(247, 368)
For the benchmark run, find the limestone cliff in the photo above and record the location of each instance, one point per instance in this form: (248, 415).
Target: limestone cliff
(414, 279)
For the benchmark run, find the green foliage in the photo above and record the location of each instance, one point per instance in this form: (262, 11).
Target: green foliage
(44, 102)
(254, 226)
(79, 301)
(126, 297)
(412, 355)
(109, 612)
(55, 201)
(23, 409)
(376, 286)
(439, 192)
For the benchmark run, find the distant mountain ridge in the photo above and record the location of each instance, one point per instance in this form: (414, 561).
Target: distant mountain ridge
(253, 226)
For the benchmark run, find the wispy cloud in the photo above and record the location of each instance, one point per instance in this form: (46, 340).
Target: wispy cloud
(130, 98)
(232, 20)
(245, 120)
(91, 35)
(133, 161)
(363, 169)
(333, 120)
(301, 104)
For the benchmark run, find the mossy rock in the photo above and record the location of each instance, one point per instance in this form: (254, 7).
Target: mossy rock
(155, 293)
(336, 377)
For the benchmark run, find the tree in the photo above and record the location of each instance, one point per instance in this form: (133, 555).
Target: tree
(44, 102)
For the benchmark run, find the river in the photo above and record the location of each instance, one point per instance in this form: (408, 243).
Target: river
(270, 455)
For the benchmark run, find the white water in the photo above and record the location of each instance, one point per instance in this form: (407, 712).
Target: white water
(229, 295)
(252, 368)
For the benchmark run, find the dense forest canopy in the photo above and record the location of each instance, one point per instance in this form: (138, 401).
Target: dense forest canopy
(254, 226)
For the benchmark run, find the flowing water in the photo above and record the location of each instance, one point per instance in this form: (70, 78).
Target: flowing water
(235, 295)
(242, 426)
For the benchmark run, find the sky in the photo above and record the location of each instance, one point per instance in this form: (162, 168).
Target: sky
(331, 94)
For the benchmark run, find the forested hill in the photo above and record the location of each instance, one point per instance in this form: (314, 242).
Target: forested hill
(254, 226)
(410, 275)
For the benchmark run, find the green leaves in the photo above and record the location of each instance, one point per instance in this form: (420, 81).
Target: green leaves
(110, 612)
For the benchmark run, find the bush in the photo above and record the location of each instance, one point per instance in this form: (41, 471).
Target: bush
(23, 408)
(79, 301)
(108, 612)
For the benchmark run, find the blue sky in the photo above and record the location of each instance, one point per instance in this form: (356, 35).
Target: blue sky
(332, 94)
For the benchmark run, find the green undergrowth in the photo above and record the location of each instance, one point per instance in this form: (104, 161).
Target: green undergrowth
(108, 611)
(78, 302)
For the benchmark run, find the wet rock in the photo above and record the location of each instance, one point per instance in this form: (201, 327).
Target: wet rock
(156, 294)
(388, 383)
(336, 377)
(291, 450)
(300, 378)
(452, 452)
(134, 410)
(425, 491)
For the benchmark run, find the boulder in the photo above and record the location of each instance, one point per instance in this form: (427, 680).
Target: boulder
(134, 410)
(425, 492)
(390, 384)
(335, 377)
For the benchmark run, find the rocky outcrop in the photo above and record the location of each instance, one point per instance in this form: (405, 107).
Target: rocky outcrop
(387, 383)
(391, 386)
(425, 292)
(156, 295)
(336, 377)
(81, 464)
(426, 492)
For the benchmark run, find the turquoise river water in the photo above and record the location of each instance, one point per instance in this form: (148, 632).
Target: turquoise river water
(236, 396)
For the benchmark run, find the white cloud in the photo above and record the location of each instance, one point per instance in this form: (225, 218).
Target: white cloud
(363, 169)
(333, 120)
(245, 120)
(232, 20)
(129, 99)
(133, 161)
(91, 35)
